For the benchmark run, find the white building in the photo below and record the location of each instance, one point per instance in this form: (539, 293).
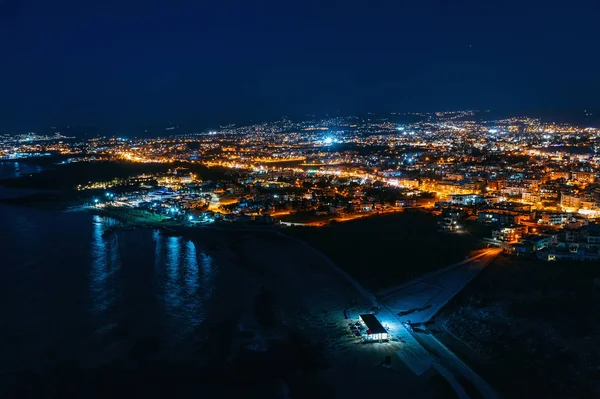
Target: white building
(375, 331)
(466, 199)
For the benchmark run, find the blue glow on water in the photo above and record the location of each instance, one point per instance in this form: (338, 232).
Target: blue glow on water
(183, 285)
(105, 263)
(173, 290)
(9, 170)
(191, 270)
(95, 300)
(208, 273)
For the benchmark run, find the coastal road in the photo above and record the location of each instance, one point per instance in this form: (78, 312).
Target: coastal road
(421, 299)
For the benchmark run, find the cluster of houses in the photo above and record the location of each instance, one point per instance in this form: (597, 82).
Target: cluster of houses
(319, 202)
(523, 231)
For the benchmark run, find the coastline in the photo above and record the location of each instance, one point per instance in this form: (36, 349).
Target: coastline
(300, 303)
(294, 310)
(174, 228)
(289, 311)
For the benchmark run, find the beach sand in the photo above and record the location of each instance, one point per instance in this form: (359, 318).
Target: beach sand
(292, 323)
(280, 330)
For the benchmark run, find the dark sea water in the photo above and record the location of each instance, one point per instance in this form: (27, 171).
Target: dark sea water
(15, 169)
(90, 315)
(131, 313)
(73, 298)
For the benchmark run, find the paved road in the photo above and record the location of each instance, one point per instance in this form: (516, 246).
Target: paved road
(430, 293)
(422, 298)
(411, 352)
(457, 367)
(421, 352)
(394, 288)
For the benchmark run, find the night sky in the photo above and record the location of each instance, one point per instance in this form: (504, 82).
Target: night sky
(125, 64)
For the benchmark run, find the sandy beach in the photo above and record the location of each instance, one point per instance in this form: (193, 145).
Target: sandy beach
(297, 300)
(280, 326)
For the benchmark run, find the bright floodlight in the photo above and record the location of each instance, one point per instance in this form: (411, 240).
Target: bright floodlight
(96, 200)
(190, 217)
(328, 140)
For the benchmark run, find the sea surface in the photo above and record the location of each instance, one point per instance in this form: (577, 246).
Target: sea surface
(90, 313)
(83, 310)
(15, 169)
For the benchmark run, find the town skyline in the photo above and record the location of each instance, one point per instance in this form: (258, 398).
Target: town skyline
(579, 117)
(307, 199)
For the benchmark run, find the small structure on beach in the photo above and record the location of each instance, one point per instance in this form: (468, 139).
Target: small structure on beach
(375, 331)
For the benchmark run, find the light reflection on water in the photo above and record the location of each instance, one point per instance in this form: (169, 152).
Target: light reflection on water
(81, 299)
(183, 287)
(173, 295)
(182, 281)
(15, 169)
(105, 263)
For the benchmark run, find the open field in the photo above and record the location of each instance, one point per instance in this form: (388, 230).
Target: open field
(383, 250)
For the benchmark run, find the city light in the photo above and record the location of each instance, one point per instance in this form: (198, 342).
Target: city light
(443, 160)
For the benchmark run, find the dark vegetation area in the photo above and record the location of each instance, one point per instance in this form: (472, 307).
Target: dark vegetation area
(532, 327)
(68, 176)
(383, 250)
